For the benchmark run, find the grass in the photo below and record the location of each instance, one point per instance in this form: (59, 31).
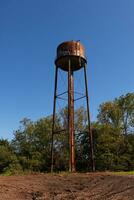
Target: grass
(61, 173)
(123, 173)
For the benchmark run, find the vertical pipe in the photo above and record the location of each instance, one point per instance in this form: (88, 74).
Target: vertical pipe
(72, 123)
(54, 113)
(70, 155)
(89, 123)
(71, 119)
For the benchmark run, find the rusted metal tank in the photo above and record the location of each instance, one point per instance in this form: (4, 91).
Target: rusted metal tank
(73, 52)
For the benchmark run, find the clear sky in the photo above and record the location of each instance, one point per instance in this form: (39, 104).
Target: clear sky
(30, 31)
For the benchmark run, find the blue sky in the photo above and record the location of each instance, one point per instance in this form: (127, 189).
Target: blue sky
(30, 31)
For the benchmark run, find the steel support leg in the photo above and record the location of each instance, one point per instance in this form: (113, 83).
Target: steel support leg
(89, 123)
(53, 122)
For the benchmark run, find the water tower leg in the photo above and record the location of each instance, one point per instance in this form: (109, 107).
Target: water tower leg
(53, 122)
(71, 119)
(89, 123)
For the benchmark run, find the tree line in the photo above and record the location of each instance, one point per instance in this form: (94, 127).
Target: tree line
(113, 141)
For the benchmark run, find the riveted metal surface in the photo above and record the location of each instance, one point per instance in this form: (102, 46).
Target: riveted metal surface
(72, 50)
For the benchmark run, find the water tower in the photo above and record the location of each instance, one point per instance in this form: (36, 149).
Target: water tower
(70, 58)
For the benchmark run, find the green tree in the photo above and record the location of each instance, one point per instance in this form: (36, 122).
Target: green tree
(126, 105)
(8, 160)
(32, 142)
(118, 113)
(114, 148)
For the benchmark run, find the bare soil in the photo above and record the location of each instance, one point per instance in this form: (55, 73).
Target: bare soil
(97, 186)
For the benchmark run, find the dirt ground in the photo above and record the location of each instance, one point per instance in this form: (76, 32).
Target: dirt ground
(98, 186)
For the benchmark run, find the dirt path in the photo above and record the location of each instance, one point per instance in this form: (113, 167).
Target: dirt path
(98, 186)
